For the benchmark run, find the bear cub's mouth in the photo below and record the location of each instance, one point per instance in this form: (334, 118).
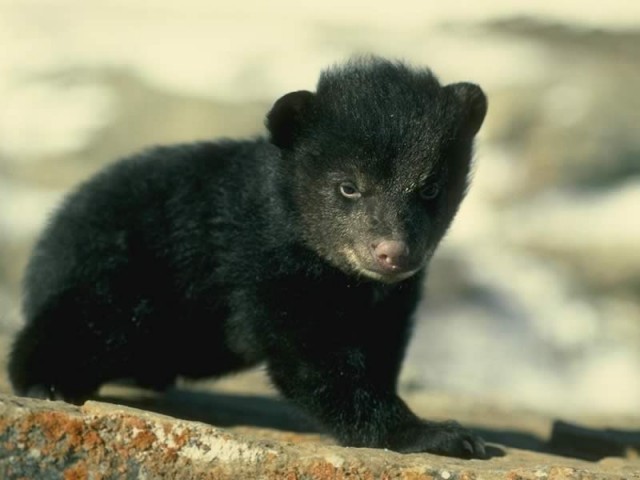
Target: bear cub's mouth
(386, 260)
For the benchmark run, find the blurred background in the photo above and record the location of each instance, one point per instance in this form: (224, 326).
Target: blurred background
(534, 297)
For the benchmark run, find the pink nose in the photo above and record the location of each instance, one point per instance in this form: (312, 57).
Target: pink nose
(391, 254)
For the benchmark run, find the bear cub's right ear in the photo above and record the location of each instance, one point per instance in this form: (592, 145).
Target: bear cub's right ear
(473, 103)
(286, 117)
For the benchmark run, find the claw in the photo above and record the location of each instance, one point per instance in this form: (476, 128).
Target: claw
(467, 447)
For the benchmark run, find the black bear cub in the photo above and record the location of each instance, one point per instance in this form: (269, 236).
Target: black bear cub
(305, 251)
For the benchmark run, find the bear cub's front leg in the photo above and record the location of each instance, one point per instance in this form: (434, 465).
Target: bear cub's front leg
(361, 409)
(353, 396)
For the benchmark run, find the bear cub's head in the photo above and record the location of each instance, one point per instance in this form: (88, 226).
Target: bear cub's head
(378, 160)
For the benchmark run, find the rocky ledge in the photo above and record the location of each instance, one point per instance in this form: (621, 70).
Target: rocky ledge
(51, 440)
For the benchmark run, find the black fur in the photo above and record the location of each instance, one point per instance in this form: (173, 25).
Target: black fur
(305, 251)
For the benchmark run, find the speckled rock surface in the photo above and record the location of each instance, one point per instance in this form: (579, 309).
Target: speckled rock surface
(51, 440)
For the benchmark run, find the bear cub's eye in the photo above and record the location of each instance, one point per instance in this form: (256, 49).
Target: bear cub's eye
(429, 192)
(349, 190)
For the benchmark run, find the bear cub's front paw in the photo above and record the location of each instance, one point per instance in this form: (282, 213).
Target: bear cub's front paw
(442, 438)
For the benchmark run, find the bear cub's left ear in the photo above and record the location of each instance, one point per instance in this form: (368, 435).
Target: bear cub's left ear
(286, 118)
(474, 105)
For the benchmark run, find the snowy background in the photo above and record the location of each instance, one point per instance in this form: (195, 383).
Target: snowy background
(534, 296)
